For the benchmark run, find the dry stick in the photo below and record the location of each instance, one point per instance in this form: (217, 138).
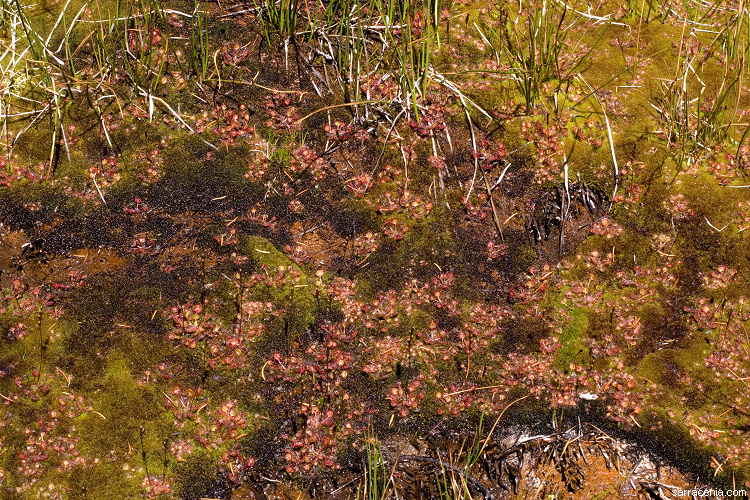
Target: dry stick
(565, 203)
(385, 143)
(391, 479)
(474, 150)
(66, 38)
(609, 137)
(179, 118)
(253, 82)
(104, 125)
(497, 421)
(406, 169)
(65, 141)
(471, 390)
(494, 211)
(55, 148)
(502, 174)
(99, 190)
(683, 96)
(638, 37)
(216, 65)
(38, 116)
(134, 16)
(442, 80)
(452, 87)
(600, 19)
(484, 38)
(714, 227)
(332, 106)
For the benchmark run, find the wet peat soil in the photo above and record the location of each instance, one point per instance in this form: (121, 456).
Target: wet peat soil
(126, 275)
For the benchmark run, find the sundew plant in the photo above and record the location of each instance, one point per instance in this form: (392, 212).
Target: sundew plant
(346, 248)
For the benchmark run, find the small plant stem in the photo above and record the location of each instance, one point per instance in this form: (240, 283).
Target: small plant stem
(497, 421)
(41, 345)
(332, 106)
(638, 37)
(99, 190)
(609, 137)
(143, 456)
(495, 218)
(473, 150)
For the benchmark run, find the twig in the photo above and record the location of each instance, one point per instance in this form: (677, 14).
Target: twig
(609, 136)
(174, 113)
(497, 421)
(494, 210)
(445, 466)
(99, 190)
(473, 150)
(605, 19)
(385, 143)
(714, 227)
(332, 106)
(134, 16)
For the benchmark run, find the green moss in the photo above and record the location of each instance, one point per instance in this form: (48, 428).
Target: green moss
(571, 337)
(99, 483)
(263, 253)
(296, 295)
(663, 367)
(195, 477)
(129, 416)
